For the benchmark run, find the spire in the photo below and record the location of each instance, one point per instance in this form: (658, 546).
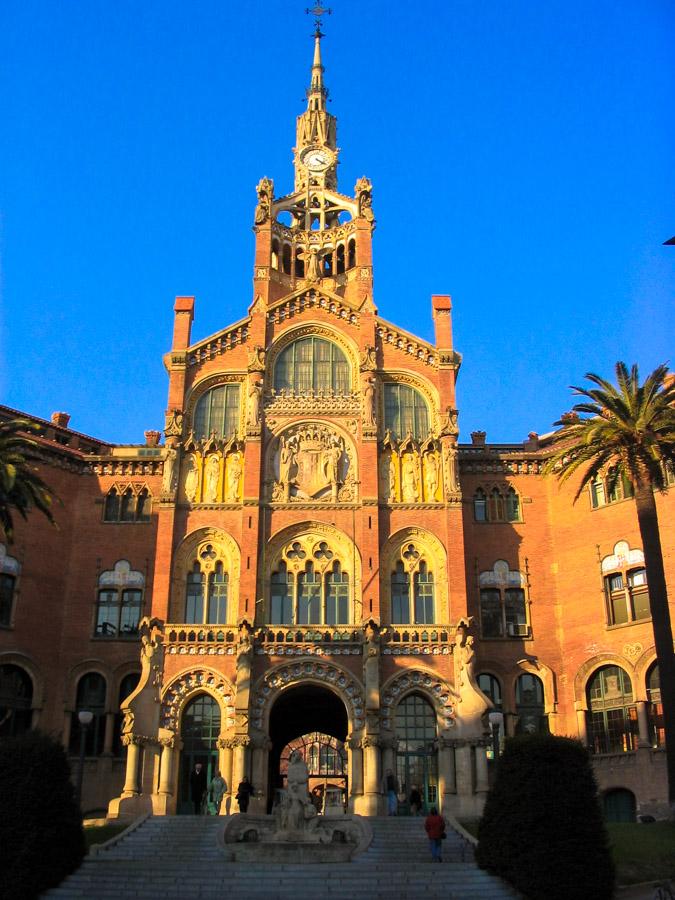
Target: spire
(317, 93)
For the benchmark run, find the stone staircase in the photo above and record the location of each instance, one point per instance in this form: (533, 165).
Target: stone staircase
(179, 857)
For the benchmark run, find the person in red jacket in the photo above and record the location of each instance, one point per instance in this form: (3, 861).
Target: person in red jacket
(434, 826)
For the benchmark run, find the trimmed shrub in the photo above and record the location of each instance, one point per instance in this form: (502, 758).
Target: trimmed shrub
(40, 824)
(542, 829)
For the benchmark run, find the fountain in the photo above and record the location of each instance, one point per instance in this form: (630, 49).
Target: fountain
(296, 832)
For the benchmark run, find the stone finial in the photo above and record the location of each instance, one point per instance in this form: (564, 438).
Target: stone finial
(152, 438)
(61, 419)
(478, 438)
(532, 442)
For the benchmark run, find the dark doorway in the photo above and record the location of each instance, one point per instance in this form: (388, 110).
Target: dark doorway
(299, 711)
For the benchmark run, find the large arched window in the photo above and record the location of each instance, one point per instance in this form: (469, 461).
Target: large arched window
(612, 717)
(492, 689)
(312, 364)
(217, 411)
(91, 696)
(206, 593)
(416, 730)
(16, 696)
(405, 411)
(414, 606)
(530, 705)
(309, 598)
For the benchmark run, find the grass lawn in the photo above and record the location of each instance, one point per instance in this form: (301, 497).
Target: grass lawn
(98, 834)
(641, 852)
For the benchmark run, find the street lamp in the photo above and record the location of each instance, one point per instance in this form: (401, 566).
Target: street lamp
(496, 720)
(85, 718)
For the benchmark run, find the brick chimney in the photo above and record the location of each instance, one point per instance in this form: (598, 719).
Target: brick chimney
(61, 419)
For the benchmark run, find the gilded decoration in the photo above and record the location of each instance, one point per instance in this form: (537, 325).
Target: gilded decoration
(185, 685)
(413, 546)
(286, 675)
(410, 472)
(212, 472)
(205, 548)
(312, 462)
(437, 690)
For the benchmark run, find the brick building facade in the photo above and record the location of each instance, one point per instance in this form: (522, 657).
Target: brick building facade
(312, 559)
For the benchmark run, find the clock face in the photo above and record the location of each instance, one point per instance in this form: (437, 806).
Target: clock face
(316, 159)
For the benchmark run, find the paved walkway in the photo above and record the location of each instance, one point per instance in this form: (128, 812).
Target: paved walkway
(178, 857)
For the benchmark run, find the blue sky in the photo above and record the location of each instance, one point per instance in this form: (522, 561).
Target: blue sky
(521, 155)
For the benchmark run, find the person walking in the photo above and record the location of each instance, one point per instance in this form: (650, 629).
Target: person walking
(197, 786)
(217, 787)
(434, 825)
(415, 801)
(390, 789)
(244, 792)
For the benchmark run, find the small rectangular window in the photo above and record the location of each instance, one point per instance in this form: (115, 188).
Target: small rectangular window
(7, 583)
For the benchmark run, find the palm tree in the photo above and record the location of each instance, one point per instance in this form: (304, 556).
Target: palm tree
(21, 488)
(629, 431)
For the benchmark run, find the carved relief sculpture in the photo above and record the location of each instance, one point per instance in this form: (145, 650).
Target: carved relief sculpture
(169, 476)
(409, 481)
(256, 359)
(191, 478)
(367, 360)
(369, 402)
(430, 476)
(173, 423)
(254, 398)
(311, 462)
(212, 476)
(234, 473)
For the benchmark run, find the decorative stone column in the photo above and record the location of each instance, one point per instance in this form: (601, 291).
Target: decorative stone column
(240, 760)
(355, 772)
(225, 756)
(133, 746)
(482, 784)
(372, 774)
(389, 744)
(446, 774)
(643, 724)
(582, 727)
(464, 769)
(166, 765)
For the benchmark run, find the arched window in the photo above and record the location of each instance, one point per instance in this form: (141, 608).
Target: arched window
(625, 583)
(131, 504)
(480, 506)
(217, 412)
(424, 596)
(512, 506)
(340, 259)
(496, 506)
(492, 689)
(128, 507)
(400, 595)
(194, 596)
(217, 598)
(530, 705)
(612, 718)
(299, 263)
(275, 254)
(351, 254)
(657, 732)
(16, 697)
(143, 506)
(308, 597)
(418, 608)
(286, 259)
(312, 364)
(91, 696)
(127, 685)
(119, 601)
(503, 609)
(405, 411)
(500, 505)
(111, 510)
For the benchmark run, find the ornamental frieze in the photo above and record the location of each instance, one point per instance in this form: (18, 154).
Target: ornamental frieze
(321, 402)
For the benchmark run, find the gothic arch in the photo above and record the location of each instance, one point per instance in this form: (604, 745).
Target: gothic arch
(310, 535)
(306, 671)
(14, 658)
(186, 685)
(314, 328)
(437, 690)
(585, 672)
(430, 549)
(547, 677)
(224, 549)
(98, 667)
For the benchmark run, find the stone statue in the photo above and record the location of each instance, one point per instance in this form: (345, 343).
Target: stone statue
(313, 265)
(392, 477)
(410, 487)
(254, 396)
(451, 465)
(234, 473)
(212, 475)
(431, 476)
(331, 464)
(296, 807)
(170, 470)
(191, 479)
(286, 460)
(369, 402)
(265, 190)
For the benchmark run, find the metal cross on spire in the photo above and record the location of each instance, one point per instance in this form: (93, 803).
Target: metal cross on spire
(317, 11)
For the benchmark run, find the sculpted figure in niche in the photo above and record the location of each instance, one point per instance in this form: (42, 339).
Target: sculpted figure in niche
(191, 479)
(409, 480)
(234, 473)
(313, 265)
(431, 476)
(453, 484)
(169, 473)
(331, 465)
(369, 402)
(254, 395)
(392, 477)
(212, 474)
(262, 210)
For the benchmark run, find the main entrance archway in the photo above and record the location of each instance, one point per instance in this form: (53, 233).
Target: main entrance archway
(298, 711)
(416, 760)
(200, 728)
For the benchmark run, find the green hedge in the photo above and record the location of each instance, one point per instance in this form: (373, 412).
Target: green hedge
(542, 828)
(40, 824)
